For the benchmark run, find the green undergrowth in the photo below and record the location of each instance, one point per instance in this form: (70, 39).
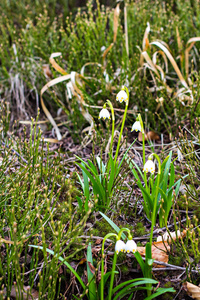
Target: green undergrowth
(26, 45)
(38, 190)
(36, 209)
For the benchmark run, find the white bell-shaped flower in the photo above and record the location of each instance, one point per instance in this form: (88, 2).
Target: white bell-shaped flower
(104, 114)
(136, 126)
(149, 167)
(167, 237)
(120, 246)
(122, 96)
(131, 246)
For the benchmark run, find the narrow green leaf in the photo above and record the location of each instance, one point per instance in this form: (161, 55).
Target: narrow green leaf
(112, 174)
(136, 281)
(114, 226)
(80, 203)
(90, 275)
(131, 163)
(97, 187)
(159, 292)
(140, 261)
(62, 260)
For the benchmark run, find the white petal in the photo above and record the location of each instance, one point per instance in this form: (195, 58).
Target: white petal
(131, 246)
(149, 167)
(120, 246)
(122, 96)
(104, 113)
(136, 126)
(159, 238)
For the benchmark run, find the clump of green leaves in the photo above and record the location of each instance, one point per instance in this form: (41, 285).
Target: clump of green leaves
(104, 177)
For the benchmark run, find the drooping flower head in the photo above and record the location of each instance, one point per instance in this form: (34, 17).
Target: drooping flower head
(149, 166)
(122, 96)
(120, 246)
(136, 126)
(131, 246)
(104, 114)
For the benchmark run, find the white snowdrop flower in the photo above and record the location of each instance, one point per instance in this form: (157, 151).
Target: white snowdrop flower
(136, 126)
(169, 237)
(131, 246)
(122, 96)
(149, 167)
(104, 113)
(120, 246)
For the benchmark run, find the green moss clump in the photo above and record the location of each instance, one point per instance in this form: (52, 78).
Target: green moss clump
(140, 229)
(101, 228)
(176, 260)
(124, 268)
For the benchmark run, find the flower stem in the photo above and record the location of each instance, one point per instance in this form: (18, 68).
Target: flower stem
(113, 125)
(115, 260)
(143, 156)
(102, 263)
(123, 122)
(121, 231)
(153, 218)
(112, 276)
(143, 137)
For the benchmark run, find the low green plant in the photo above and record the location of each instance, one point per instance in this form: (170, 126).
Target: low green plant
(159, 191)
(103, 176)
(146, 266)
(100, 292)
(188, 146)
(35, 206)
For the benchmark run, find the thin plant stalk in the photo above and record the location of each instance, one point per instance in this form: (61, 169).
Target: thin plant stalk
(156, 196)
(113, 125)
(102, 263)
(143, 148)
(115, 260)
(126, 29)
(112, 276)
(123, 122)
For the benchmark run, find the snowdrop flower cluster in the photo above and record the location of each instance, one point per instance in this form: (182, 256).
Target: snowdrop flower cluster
(167, 237)
(130, 246)
(149, 167)
(104, 114)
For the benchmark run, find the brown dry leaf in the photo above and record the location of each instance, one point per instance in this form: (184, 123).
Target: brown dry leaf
(106, 51)
(192, 290)
(115, 21)
(47, 113)
(151, 135)
(158, 252)
(47, 71)
(173, 62)
(98, 241)
(92, 268)
(171, 236)
(145, 42)
(82, 261)
(54, 63)
(191, 41)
